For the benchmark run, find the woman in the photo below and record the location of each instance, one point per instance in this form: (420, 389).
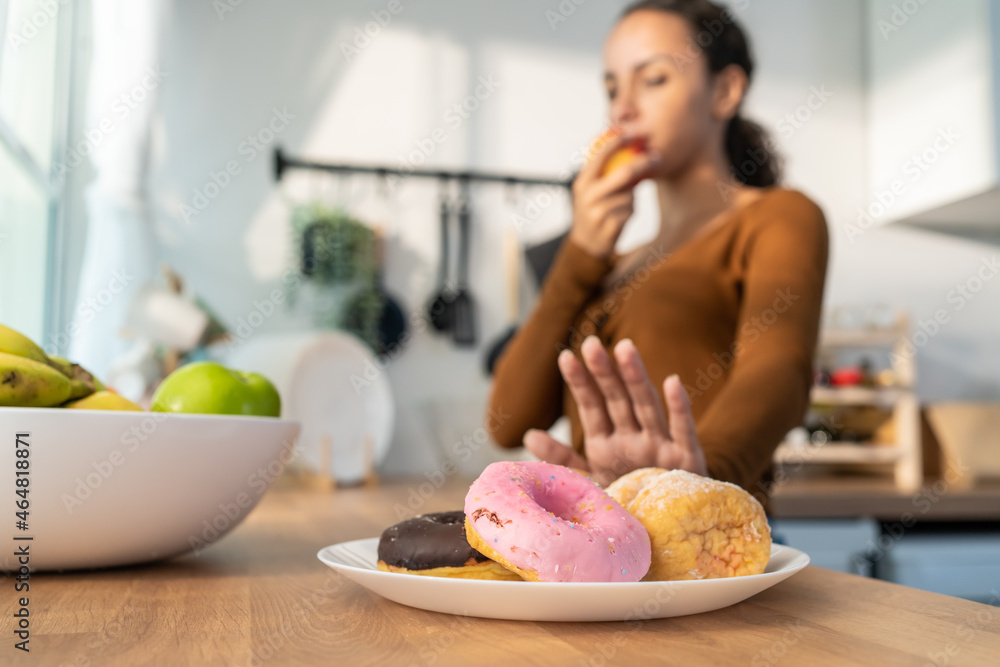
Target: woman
(694, 351)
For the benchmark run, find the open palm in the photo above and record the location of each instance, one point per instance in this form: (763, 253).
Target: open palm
(624, 424)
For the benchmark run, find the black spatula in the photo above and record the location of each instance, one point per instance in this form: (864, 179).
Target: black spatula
(464, 307)
(440, 309)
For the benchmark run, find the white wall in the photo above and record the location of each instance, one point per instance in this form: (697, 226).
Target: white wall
(226, 76)
(943, 54)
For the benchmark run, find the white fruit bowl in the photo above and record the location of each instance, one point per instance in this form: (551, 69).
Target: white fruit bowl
(118, 488)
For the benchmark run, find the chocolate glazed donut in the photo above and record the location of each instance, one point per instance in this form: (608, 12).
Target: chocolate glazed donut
(435, 545)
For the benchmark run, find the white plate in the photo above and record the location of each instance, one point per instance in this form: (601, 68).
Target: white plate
(535, 601)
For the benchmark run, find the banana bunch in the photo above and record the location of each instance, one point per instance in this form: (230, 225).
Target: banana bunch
(30, 378)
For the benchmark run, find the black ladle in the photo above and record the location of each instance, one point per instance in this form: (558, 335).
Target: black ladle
(440, 310)
(464, 307)
(392, 321)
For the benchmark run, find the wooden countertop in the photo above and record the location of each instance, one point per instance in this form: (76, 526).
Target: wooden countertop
(260, 597)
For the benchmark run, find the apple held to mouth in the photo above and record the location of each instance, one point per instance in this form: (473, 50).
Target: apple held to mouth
(620, 157)
(207, 387)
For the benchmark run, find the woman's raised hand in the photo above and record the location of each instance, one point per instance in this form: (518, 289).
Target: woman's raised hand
(624, 424)
(603, 203)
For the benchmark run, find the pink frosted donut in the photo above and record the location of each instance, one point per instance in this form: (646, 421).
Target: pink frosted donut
(549, 523)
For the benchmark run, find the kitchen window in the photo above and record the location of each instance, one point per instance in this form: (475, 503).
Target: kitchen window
(34, 93)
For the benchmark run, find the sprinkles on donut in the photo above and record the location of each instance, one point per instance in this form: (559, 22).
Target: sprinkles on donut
(550, 523)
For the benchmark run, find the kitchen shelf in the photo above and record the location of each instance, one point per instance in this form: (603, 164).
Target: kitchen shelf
(847, 497)
(837, 452)
(885, 397)
(905, 453)
(858, 337)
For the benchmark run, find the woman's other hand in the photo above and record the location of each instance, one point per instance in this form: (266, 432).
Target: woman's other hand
(603, 203)
(624, 424)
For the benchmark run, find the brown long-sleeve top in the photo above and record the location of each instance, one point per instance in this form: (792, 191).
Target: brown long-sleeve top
(734, 312)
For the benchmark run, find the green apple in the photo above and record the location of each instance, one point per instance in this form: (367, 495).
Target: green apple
(206, 387)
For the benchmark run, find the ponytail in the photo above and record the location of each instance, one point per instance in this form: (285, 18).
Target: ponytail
(749, 148)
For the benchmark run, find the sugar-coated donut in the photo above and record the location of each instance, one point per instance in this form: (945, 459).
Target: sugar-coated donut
(700, 528)
(549, 523)
(434, 545)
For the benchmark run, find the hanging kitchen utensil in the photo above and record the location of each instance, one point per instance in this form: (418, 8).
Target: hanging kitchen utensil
(391, 319)
(392, 325)
(464, 307)
(440, 310)
(308, 237)
(512, 273)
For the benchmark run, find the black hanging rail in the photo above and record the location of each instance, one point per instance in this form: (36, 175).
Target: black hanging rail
(283, 163)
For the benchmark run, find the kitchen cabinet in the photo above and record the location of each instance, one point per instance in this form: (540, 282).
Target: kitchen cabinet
(933, 85)
(836, 544)
(964, 564)
(945, 538)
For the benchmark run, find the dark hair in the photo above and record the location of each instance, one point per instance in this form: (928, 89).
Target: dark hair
(724, 43)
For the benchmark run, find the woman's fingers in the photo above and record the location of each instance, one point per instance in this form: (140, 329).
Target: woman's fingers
(605, 374)
(550, 450)
(646, 402)
(624, 177)
(602, 151)
(682, 427)
(627, 176)
(589, 400)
